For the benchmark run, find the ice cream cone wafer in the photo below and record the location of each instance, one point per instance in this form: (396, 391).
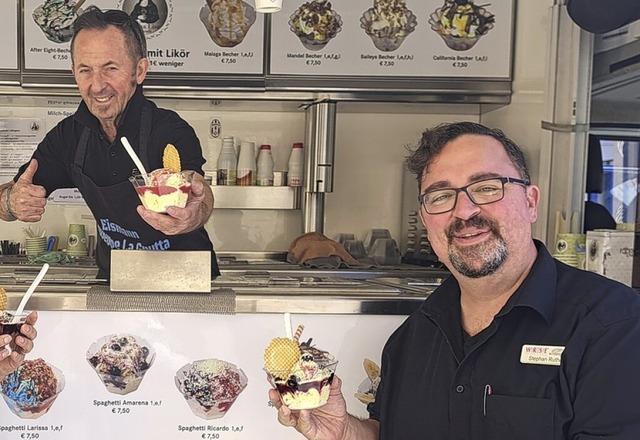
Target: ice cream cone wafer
(281, 355)
(4, 301)
(171, 158)
(371, 368)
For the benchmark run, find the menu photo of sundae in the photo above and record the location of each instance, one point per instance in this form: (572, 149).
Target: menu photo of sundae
(461, 23)
(121, 361)
(388, 23)
(31, 389)
(55, 18)
(227, 21)
(315, 23)
(210, 386)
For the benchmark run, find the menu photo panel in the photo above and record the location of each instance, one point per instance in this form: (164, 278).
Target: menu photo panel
(403, 38)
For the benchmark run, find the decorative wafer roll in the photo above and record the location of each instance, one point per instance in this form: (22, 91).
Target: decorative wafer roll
(299, 330)
(171, 158)
(4, 300)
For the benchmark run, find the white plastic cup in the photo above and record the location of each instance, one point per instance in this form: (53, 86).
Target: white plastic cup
(268, 6)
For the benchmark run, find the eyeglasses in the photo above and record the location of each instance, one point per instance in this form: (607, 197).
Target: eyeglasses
(482, 192)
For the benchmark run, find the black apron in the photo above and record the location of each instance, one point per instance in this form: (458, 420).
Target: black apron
(118, 224)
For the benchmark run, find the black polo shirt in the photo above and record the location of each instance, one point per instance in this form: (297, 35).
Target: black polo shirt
(439, 384)
(108, 163)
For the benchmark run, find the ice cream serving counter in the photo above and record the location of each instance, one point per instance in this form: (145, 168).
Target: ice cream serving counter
(141, 365)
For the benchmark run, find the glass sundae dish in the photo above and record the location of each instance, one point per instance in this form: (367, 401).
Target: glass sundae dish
(31, 389)
(388, 23)
(210, 386)
(162, 188)
(461, 23)
(55, 18)
(300, 372)
(315, 24)
(227, 21)
(121, 361)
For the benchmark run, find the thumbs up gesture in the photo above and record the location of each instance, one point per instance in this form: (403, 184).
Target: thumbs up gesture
(27, 201)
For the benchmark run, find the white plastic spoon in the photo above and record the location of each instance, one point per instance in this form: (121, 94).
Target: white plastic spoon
(30, 290)
(134, 157)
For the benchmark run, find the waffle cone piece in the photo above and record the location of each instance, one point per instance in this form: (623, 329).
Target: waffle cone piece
(4, 300)
(282, 353)
(171, 158)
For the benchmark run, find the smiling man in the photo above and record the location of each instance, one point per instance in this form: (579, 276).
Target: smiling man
(513, 345)
(109, 64)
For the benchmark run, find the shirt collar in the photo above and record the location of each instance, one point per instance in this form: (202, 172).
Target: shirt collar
(537, 291)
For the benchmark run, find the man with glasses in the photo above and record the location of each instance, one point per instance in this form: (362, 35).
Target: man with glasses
(514, 345)
(84, 151)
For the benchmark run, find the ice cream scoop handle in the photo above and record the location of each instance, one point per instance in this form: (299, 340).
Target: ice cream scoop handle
(30, 290)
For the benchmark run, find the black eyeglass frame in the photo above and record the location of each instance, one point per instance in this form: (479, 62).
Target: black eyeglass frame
(503, 180)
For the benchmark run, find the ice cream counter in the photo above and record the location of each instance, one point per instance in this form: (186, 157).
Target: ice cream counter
(168, 366)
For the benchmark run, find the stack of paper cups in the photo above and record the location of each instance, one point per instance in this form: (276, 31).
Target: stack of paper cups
(77, 241)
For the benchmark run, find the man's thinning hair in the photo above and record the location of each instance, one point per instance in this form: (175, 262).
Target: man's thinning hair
(96, 19)
(434, 139)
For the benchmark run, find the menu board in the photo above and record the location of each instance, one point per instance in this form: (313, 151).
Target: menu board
(424, 38)
(179, 376)
(183, 36)
(9, 35)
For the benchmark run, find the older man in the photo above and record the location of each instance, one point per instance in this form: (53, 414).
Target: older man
(109, 63)
(514, 345)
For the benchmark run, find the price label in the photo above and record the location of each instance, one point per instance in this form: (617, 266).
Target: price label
(210, 436)
(228, 60)
(386, 63)
(313, 62)
(29, 435)
(121, 410)
(460, 64)
(61, 56)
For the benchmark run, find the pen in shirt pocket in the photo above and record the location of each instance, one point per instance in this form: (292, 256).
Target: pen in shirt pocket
(487, 393)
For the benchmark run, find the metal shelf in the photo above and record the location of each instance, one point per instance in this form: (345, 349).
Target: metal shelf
(256, 197)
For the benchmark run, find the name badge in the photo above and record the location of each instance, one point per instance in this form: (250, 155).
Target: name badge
(541, 354)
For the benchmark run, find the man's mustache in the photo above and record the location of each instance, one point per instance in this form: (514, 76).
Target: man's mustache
(476, 222)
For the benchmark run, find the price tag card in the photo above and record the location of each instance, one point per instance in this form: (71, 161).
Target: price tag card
(182, 36)
(425, 38)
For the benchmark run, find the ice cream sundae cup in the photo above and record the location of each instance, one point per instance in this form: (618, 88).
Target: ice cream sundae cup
(388, 23)
(121, 361)
(315, 24)
(7, 326)
(31, 389)
(210, 386)
(163, 188)
(301, 373)
(461, 24)
(55, 18)
(227, 21)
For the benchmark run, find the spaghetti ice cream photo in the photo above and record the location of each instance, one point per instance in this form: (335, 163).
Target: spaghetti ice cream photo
(121, 361)
(300, 372)
(315, 23)
(31, 389)
(388, 23)
(461, 23)
(210, 386)
(227, 21)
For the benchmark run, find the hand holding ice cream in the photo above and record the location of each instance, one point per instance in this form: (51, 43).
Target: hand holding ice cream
(14, 346)
(174, 201)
